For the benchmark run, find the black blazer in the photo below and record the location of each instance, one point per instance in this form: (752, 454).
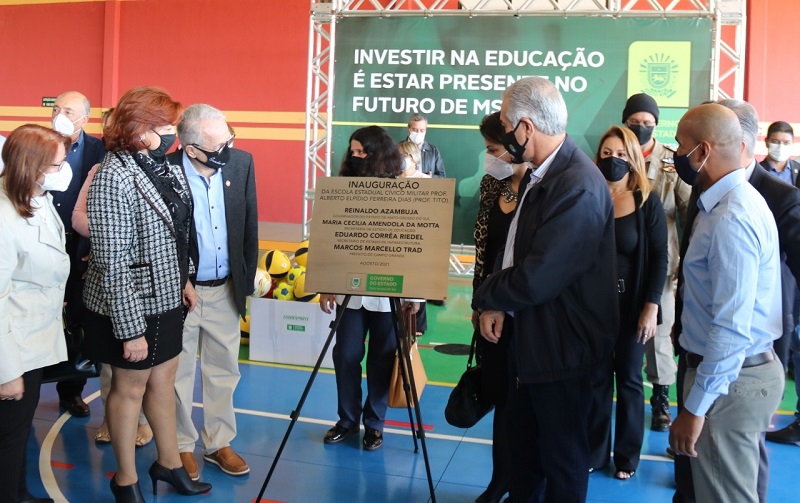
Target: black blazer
(562, 287)
(241, 217)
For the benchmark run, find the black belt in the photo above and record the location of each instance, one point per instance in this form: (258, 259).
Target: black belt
(694, 360)
(213, 282)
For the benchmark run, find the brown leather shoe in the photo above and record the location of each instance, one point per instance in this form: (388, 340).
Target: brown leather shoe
(187, 458)
(228, 461)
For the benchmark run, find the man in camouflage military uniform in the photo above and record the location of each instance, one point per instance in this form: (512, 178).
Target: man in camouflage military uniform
(641, 116)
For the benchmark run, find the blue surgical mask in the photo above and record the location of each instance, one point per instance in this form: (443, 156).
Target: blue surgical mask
(683, 166)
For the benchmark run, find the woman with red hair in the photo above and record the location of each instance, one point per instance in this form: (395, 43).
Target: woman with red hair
(137, 286)
(33, 273)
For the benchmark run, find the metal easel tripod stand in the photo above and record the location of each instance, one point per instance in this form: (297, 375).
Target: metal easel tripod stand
(409, 387)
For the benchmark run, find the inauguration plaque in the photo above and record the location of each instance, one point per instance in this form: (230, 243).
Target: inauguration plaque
(381, 237)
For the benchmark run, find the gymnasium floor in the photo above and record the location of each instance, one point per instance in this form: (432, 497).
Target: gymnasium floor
(62, 452)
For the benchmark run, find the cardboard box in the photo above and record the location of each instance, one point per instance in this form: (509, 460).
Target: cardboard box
(289, 332)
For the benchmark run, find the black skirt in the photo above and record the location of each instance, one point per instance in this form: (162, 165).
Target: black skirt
(164, 337)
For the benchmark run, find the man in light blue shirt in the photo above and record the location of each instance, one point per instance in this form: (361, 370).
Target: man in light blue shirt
(731, 313)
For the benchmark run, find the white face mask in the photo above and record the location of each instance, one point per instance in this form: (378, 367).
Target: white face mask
(58, 181)
(496, 167)
(407, 163)
(416, 137)
(65, 126)
(779, 152)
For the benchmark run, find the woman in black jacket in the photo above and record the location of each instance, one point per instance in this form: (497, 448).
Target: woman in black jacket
(641, 236)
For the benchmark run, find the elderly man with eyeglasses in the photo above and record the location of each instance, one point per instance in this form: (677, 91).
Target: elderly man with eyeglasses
(224, 244)
(641, 116)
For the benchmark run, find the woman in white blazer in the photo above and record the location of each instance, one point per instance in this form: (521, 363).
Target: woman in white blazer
(33, 272)
(372, 153)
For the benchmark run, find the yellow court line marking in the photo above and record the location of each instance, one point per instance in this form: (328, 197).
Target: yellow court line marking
(45, 456)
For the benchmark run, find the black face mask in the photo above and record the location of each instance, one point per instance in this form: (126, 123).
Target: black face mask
(614, 169)
(513, 147)
(643, 133)
(356, 165)
(217, 158)
(167, 140)
(684, 167)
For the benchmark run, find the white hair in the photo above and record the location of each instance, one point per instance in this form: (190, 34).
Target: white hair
(537, 99)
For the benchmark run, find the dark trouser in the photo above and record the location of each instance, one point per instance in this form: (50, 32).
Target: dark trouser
(684, 483)
(550, 447)
(624, 364)
(347, 355)
(15, 425)
(76, 247)
(422, 318)
(494, 384)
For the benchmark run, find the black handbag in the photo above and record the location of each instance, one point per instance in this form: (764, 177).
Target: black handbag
(76, 365)
(466, 406)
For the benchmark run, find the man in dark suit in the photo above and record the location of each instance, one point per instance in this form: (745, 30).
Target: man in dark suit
(225, 243)
(70, 115)
(555, 296)
(783, 201)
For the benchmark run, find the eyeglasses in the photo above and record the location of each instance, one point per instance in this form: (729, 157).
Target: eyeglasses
(637, 123)
(60, 166)
(228, 143)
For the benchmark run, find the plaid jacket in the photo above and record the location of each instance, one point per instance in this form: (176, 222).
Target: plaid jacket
(133, 266)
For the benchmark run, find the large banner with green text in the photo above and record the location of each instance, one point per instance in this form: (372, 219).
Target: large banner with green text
(453, 70)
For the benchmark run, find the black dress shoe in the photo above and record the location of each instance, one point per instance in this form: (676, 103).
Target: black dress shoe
(373, 439)
(75, 406)
(339, 433)
(493, 494)
(788, 435)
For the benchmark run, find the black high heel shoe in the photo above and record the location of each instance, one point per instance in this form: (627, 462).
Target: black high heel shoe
(126, 494)
(177, 478)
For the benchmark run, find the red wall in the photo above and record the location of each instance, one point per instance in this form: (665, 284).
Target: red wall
(246, 57)
(773, 65)
(249, 58)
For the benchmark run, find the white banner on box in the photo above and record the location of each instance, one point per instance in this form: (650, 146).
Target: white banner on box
(289, 332)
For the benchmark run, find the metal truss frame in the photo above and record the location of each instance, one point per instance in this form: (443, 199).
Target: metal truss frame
(728, 58)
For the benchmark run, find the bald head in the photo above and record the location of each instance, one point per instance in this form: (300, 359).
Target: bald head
(716, 125)
(75, 107)
(711, 136)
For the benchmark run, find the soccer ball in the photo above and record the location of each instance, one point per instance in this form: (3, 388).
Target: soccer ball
(263, 283)
(276, 263)
(294, 273)
(301, 255)
(283, 291)
(300, 290)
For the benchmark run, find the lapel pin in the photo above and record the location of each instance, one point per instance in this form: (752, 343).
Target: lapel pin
(227, 183)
